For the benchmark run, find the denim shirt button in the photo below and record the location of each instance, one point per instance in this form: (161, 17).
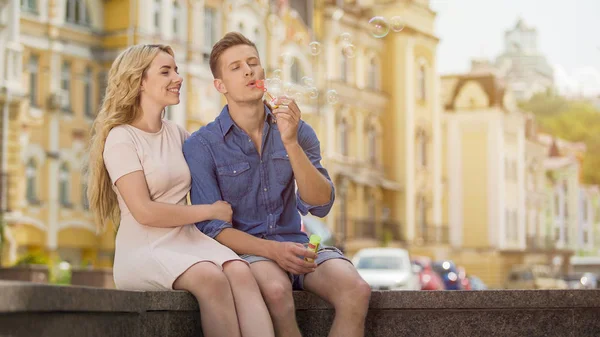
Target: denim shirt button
(265, 189)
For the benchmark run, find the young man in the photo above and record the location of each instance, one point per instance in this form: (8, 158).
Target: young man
(250, 157)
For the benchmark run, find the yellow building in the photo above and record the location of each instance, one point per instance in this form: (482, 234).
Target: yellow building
(380, 134)
(493, 166)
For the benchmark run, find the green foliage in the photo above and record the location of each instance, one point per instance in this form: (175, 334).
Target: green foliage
(33, 258)
(576, 121)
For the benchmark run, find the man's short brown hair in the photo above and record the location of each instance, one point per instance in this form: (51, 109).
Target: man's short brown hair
(229, 40)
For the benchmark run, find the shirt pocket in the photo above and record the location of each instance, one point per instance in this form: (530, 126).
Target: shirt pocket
(234, 180)
(282, 167)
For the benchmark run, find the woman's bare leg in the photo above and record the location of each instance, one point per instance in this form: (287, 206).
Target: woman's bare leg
(210, 286)
(252, 311)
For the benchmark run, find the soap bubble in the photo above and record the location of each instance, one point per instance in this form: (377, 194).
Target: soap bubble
(287, 59)
(274, 87)
(298, 96)
(315, 48)
(346, 38)
(307, 81)
(313, 92)
(276, 74)
(379, 27)
(332, 97)
(349, 50)
(288, 89)
(396, 23)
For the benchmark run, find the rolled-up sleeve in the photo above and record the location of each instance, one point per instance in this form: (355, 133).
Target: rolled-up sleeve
(310, 144)
(205, 187)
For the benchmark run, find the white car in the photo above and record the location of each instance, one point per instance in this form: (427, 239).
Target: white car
(386, 269)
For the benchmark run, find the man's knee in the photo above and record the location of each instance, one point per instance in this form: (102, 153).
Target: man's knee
(355, 296)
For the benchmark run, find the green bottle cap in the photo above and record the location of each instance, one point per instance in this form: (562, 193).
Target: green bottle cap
(315, 239)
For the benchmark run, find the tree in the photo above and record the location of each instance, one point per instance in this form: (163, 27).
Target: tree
(576, 121)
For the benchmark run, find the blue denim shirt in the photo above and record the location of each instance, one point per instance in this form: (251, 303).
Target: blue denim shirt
(225, 165)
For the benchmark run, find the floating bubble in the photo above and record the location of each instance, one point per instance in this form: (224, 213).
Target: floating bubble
(396, 23)
(274, 87)
(298, 96)
(332, 97)
(349, 50)
(379, 27)
(287, 59)
(288, 89)
(315, 48)
(313, 92)
(277, 73)
(307, 81)
(346, 38)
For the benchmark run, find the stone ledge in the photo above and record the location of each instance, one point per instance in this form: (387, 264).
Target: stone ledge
(18, 296)
(30, 309)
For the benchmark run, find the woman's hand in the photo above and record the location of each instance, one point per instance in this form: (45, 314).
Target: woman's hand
(222, 211)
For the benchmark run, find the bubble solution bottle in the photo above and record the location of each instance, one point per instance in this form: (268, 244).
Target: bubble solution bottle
(313, 245)
(262, 84)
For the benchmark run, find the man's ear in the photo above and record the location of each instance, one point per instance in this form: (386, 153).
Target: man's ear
(219, 85)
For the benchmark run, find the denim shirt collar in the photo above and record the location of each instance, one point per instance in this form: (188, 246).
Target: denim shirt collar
(226, 122)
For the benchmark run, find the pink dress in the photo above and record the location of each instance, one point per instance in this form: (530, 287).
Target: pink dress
(151, 258)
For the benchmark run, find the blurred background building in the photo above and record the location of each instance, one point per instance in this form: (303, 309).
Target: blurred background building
(446, 167)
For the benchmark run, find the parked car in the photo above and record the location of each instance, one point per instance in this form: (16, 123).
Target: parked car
(581, 281)
(533, 277)
(429, 279)
(464, 280)
(386, 268)
(476, 283)
(449, 274)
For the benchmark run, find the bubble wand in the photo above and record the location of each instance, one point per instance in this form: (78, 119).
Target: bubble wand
(260, 84)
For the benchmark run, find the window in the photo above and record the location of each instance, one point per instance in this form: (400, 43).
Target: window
(344, 69)
(102, 84)
(76, 12)
(422, 148)
(30, 6)
(33, 68)
(210, 30)
(422, 83)
(372, 210)
(423, 215)
(31, 183)
(343, 215)
(176, 17)
(65, 85)
(344, 137)
(169, 112)
(87, 91)
(156, 16)
(304, 10)
(296, 72)
(372, 145)
(64, 185)
(373, 75)
(84, 200)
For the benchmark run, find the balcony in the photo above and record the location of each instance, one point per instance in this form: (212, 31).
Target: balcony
(431, 234)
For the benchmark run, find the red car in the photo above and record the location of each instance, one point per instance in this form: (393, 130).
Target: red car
(430, 280)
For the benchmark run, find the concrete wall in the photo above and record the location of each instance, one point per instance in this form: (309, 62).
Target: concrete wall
(28, 309)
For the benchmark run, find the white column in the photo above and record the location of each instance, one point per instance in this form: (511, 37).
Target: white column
(501, 182)
(409, 138)
(521, 209)
(493, 174)
(437, 148)
(53, 147)
(455, 199)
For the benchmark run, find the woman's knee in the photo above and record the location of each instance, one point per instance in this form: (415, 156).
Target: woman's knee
(238, 272)
(203, 278)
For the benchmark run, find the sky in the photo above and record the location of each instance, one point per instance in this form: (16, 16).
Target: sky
(568, 35)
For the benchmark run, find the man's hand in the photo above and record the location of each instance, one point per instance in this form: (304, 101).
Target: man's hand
(290, 256)
(287, 116)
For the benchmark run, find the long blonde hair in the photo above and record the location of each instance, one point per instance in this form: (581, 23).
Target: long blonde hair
(121, 105)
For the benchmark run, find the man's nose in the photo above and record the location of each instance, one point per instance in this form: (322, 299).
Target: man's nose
(248, 71)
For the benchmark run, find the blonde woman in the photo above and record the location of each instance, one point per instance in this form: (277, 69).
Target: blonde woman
(139, 178)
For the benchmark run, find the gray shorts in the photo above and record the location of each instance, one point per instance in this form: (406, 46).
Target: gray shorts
(325, 253)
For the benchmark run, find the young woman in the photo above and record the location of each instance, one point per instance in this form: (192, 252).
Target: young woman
(139, 179)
